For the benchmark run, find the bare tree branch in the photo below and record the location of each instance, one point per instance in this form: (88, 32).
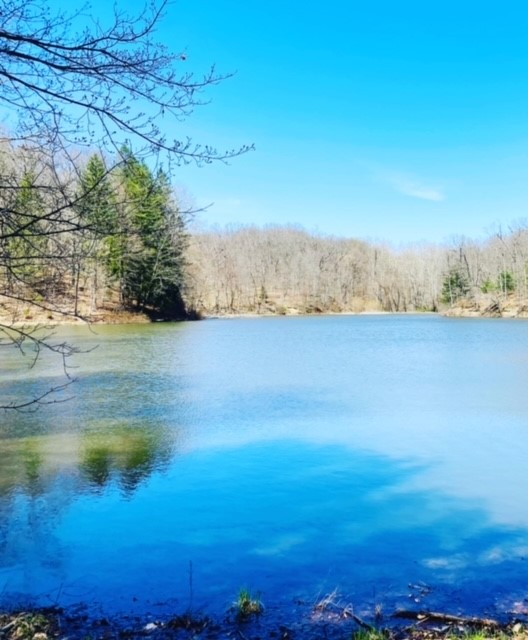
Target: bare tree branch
(71, 86)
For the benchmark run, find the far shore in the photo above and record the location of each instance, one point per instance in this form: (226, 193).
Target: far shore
(35, 315)
(109, 318)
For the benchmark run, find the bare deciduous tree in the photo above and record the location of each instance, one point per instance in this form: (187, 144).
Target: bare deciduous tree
(68, 83)
(89, 84)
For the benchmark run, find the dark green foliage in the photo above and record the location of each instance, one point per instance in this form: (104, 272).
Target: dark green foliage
(488, 286)
(506, 282)
(96, 200)
(456, 285)
(134, 230)
(148, 253)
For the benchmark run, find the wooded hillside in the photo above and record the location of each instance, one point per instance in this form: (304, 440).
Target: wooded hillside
(285, 269)
(118, 243)
(122, 244)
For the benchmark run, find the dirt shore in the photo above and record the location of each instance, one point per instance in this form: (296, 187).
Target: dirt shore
(32, 315)
(307, 623)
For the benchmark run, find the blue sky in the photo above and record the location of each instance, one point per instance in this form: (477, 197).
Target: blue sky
(392, 120)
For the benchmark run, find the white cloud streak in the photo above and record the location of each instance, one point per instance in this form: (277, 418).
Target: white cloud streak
(415, 188)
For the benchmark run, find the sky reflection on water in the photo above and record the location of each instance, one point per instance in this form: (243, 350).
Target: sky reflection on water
(293, 455)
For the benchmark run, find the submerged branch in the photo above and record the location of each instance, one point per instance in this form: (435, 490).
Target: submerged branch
(435, 616)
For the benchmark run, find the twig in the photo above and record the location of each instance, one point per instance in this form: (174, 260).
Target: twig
(345, 611)
(9, 626)
(348, 613)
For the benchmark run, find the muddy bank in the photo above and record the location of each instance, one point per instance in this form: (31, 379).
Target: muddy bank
(30, 315)
(51, 624)
(330, 618)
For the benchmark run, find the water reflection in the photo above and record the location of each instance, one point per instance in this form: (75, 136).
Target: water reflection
(41, 479)
(125, 453)
(33, 461)
(290, 455)
(231, 514)
(125, 374)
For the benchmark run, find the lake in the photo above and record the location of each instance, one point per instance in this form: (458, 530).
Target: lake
(382, 456)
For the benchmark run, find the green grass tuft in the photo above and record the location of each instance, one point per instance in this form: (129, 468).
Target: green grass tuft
(369, 634)
(248, 604)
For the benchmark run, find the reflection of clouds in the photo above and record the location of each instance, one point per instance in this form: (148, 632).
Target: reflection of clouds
(437, 452)
(231, 512)
(455, 562)
(430, 392)
(492, 556)
(281, 545)
(519, 607)
(507, 552)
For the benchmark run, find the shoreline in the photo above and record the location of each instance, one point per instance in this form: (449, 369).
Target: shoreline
(120, 319)
(17, 314)
(130, 317)
(328, 618)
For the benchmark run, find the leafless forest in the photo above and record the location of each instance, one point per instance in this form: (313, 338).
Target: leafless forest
(285, 269)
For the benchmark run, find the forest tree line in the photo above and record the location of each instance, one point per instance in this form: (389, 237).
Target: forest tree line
(285, 269)
(87, 224)
(122, 242)
(91, 239)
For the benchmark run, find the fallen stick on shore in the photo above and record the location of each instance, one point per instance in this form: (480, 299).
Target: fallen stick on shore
(446, 617)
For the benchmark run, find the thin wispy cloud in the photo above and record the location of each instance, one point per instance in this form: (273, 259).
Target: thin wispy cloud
(415, 188)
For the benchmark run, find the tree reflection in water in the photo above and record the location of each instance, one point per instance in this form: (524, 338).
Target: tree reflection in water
(127, 454)
(124, 454)
(41, 476)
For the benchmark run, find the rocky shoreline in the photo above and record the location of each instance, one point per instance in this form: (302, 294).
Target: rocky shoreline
(489, 306)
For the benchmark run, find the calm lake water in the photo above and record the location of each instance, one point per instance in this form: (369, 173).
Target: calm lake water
(383, 456)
